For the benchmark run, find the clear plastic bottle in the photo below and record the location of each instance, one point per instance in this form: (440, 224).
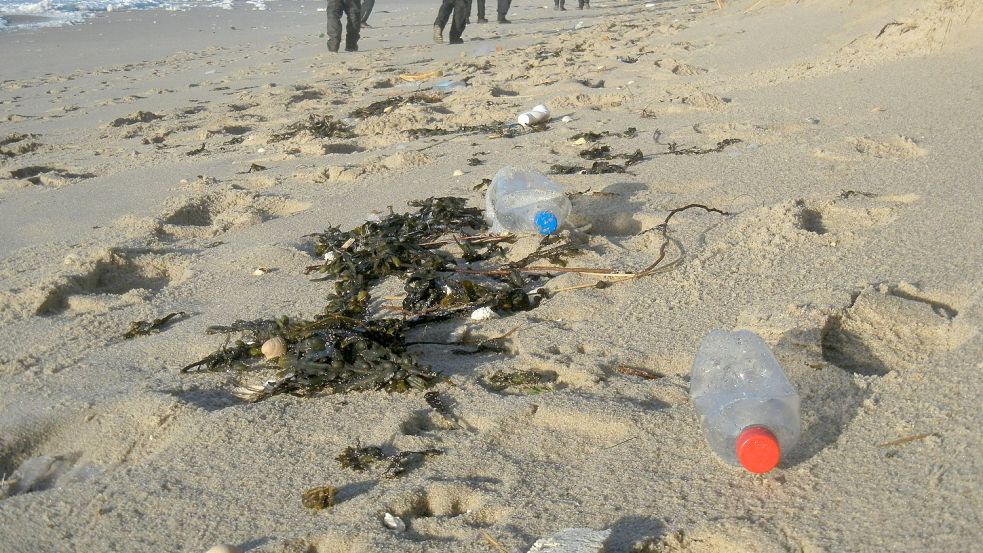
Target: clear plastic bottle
(748, 408)
(522, 200)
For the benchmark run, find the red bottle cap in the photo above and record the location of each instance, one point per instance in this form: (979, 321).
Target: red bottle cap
(758, 449)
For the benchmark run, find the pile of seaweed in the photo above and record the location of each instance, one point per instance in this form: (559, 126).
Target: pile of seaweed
(441, 254)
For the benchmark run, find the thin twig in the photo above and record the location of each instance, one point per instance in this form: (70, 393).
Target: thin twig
(906, 439)
(493, 542)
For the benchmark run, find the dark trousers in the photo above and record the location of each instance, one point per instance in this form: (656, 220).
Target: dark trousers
(352, 9)
(503, 8)
(367, 6)
(460, 10)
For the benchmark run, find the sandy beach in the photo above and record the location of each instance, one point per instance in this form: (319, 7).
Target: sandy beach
(151, 163)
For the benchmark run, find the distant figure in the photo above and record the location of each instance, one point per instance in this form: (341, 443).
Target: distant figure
(558, 5)
(460, 21)
(367, 6)
(581, 4)
(351, 8)
(503, 8)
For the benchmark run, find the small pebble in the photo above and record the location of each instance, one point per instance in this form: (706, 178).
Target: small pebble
(260, 271)
(394, 522)
(458, 172)
(261, 151)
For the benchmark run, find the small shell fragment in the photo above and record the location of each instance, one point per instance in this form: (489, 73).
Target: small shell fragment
(260, 271)
(274, 347)
(458, 172)
(483, 314)
(566, 119)
(394, 522)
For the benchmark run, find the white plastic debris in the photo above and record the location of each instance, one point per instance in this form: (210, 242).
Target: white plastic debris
(329, 256)
(483, 314)
(572, 540)
(224, 548)
(394, 522)
(535, 116)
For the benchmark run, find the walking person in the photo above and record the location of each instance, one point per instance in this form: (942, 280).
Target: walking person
(353, 10)
(459, 8)
(503, 8)
(558, 5)
(581, 4)
(367, 6)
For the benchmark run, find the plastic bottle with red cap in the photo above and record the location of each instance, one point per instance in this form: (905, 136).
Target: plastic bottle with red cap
(748, 408)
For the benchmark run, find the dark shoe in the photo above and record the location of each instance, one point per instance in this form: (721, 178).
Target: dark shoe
(482, 20)
(332, 48)
(503, 20)
(438, 34)
(456, 41)
(351, 48)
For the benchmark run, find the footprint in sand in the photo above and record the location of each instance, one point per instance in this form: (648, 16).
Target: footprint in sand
(44, 175)
(679, 68)
(722, 536)
(447, 511)
(208, 215)
(890, 328)
(76, 446)
(110, 279)
(14, 145)
(854, 149)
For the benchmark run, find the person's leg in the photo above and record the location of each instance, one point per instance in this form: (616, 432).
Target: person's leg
(443, 15)
(562, 5)
(353, 8)
(503, 10)
(334, 24)
(367, 6)
(481, 12)
(459, 22)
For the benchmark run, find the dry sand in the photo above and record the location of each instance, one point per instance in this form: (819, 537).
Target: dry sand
(853, 248)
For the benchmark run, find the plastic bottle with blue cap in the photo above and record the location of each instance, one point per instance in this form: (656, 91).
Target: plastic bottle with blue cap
(748, 408)
(523, 200)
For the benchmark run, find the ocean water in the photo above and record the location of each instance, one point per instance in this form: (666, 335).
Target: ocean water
(20, 14)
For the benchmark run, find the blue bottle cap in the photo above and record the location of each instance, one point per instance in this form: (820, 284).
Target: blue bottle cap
(546, 222)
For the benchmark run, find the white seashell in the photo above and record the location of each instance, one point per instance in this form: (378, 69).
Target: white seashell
(274, 347)
(260, 271)
(566, 119)
(394, 522)
(458, 172)
(261, 151)
(483, 314)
